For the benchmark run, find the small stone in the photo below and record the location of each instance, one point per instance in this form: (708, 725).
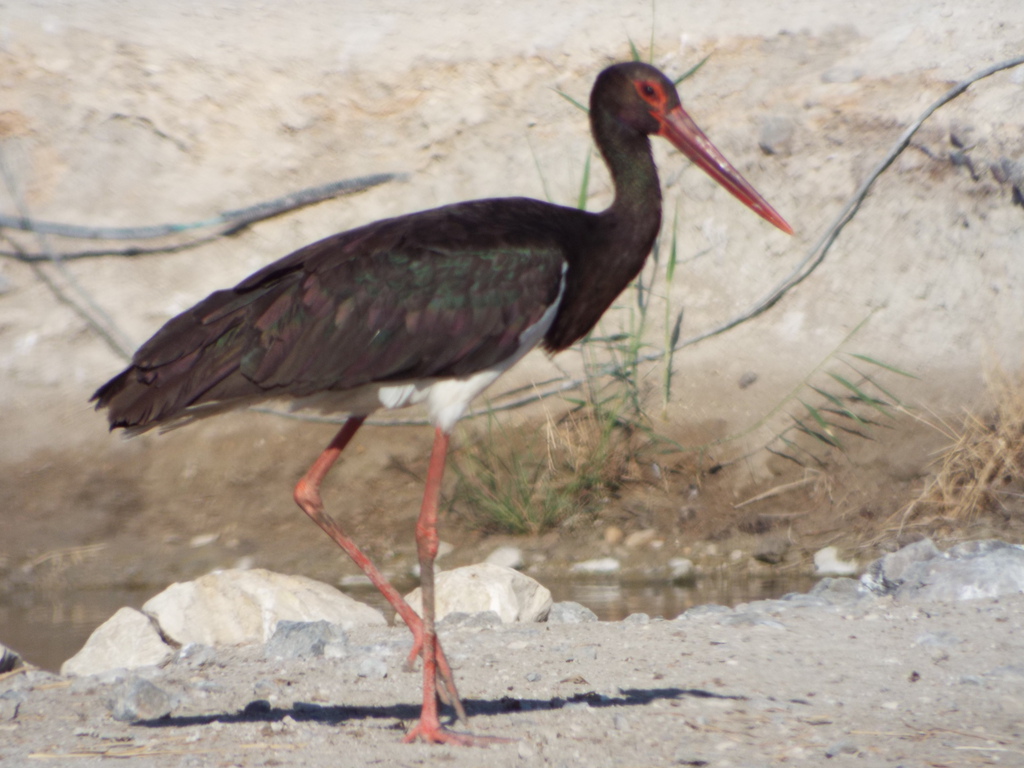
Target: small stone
(681, 570)
(776, 138)
(138, 699)
(597, 566)
(525, 750)
(749, 377)
(569, 612)
(844, 747)
(639, 539)
(613, 535)
(827, 563)
(10, 701)
(307, 639)
(372, 668)
(533, 677)
(885, 575)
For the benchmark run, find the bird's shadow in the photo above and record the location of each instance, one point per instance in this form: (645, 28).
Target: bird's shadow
(261, 710)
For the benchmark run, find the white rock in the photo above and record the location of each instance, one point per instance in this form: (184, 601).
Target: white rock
(680, 569)
(642, 538)
(827, 563)
(509, 557)
(127, 640)
(487, 587)
(233, 607)
(598, 565)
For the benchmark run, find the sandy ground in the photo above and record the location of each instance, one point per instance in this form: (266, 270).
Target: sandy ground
(796, 682)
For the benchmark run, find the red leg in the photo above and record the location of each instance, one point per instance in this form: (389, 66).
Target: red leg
(307, 496)
(429, 728)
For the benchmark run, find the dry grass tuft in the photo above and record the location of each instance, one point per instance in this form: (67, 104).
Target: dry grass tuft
(982, 473)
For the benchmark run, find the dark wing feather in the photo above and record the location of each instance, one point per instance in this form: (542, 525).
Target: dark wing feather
(441, 293)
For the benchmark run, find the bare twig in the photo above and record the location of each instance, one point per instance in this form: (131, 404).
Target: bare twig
(232, 220)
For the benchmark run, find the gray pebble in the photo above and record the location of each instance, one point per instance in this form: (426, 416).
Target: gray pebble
(307, 639)
(533, 677)
(9, 703)
(138, 699)
(844, 747)
(637, 618)
(776, 139)
(570, 613)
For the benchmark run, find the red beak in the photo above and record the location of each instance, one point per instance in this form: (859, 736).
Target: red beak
(679, 128)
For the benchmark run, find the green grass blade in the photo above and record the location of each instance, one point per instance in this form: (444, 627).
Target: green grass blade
(838, 404)
(571, 100)
(822, 436)
(873, 383)
(581, 201)
(880, 364)
(677, 327)
(692, 70)
(673, 251)
(825, 426)
(863, 397)
(633, 50)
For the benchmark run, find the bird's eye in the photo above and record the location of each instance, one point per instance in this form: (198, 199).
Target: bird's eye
(647, 89)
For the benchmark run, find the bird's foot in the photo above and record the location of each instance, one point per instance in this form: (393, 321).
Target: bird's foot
(435, 733)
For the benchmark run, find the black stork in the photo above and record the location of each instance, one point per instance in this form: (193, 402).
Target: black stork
(427, 308)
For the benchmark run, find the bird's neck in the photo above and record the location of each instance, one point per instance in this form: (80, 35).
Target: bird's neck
(611, 246)
(635, 215)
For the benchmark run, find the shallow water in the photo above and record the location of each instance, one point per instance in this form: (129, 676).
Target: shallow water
(49, 627)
